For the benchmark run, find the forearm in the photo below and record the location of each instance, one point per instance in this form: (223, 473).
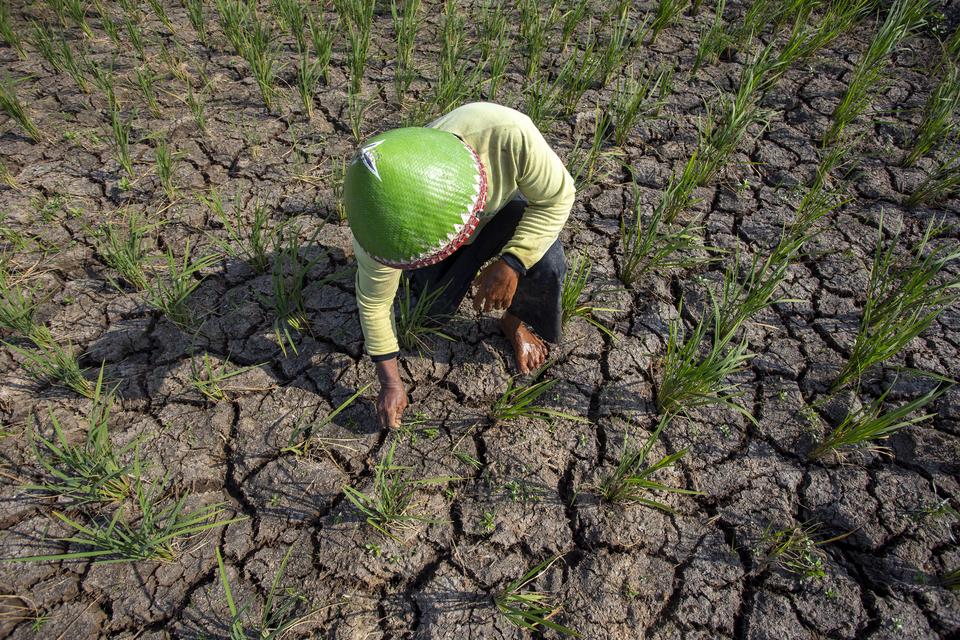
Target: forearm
(537, 230)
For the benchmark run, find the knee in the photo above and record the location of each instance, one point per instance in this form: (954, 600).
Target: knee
(553, 264)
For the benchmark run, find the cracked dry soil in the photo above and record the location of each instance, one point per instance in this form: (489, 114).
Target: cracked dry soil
(628, 572)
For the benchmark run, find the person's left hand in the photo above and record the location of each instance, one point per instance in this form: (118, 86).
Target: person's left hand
(495, 286)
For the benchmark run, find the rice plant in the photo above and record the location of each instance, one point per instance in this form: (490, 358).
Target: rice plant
(794, 549)
(305, 436)
(638, 97)
(902, 300)
(161, 13)
(904, 19)
(694, 375)
(622, 37)
(121, 140)
(520, 400)
(862, 429)
(208, 379)
(169, 292)
(578, 74)
(12, 106)
(406, 21)
(165, 164)
(53, 363)
(281, 611)
(746, 292)
(136, 38)
(667, 13)
(938, 122)
(531, 610)
(197, 107)
(234, 17)
(573, 20)
(289, 276)
(713, 40)
(9, 33)
(652, 245)
(533, 32)
(292, 15)
(586, 164)
(389, 509)
(104, 78)
(499, 60)
(155, 533)
(198, 19)
(146, 80)
(309, 73)
(630, 481)
(572, 291)
(357, 107)
(77, 11)
(249, 239)
(542, 101)
(46, 45)
(18, 304)
(124, 251)
(942, 183)
(415, 324)
(259, 50)
(456, 79)
(87, 471)
(358, 15)
(322, 34)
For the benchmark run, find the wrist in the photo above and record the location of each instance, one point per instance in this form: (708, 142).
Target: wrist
(388, 373)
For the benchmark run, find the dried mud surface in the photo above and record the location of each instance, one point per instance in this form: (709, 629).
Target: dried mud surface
(627, 572)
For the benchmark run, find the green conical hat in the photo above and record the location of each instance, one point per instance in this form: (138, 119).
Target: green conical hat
(413, 195)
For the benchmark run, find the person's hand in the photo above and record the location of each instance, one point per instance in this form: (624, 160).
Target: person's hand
(392, 400)
(495, 286)
(391, 404)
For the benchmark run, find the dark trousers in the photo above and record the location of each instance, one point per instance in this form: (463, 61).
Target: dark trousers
(537, 299)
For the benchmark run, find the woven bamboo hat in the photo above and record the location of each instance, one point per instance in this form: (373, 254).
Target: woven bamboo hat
(413, 196)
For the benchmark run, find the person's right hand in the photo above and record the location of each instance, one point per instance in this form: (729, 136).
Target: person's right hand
(391, 404)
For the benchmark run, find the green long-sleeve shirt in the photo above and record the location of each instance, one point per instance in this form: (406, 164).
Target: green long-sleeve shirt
(516, 159)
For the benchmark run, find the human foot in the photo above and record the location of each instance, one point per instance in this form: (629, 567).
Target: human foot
(530, 350)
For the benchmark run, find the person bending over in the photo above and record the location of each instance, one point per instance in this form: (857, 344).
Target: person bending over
(434, 204)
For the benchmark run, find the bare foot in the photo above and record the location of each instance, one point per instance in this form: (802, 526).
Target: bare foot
(530, 350)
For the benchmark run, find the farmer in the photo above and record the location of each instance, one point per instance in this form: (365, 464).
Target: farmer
(434, 204)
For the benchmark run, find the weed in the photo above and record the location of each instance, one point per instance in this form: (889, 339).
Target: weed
(18, 303)
(573, 286)
(519, 401)
(667, 13)
(12, 106)
(531, 610)
(388, 509)
(169, 292)
(794, 550)
(901, 301)
(905, 18)
(691, 380)
(208, 379)
(85, 472)
(9, 33)
(305, 437)
(630, 481)
(52, 362)
(861, 429)
(146, 80)
(636, 98)
(124, 252)
(280, 612)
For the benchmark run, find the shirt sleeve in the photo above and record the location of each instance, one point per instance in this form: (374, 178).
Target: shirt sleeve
(376, 287)
(549, 190)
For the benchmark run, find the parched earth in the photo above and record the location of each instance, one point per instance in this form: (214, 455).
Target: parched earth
(626, 571)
